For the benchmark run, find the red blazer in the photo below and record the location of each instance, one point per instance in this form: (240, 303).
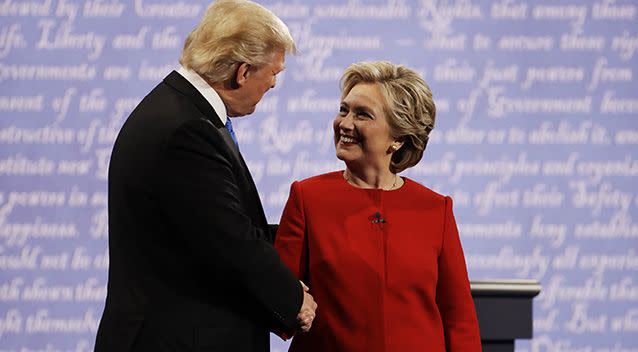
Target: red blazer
(385, 267)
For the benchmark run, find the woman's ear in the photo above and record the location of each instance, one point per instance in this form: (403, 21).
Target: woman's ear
(396, 145)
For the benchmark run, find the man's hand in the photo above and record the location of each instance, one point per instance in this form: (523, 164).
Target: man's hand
(307, 313)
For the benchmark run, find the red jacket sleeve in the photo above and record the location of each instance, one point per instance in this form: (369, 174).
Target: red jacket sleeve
(290, 241)
(453, 295)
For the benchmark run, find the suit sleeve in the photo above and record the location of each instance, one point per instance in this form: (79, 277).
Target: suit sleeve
(201, 199)
(272, 232)
(453, 295)
(291, 236)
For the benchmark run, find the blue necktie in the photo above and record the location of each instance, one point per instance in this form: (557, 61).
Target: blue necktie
(229, 127)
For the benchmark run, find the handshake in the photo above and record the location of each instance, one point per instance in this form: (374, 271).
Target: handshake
(307, 313)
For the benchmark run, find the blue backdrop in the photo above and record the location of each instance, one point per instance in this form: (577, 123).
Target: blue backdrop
(536, 141)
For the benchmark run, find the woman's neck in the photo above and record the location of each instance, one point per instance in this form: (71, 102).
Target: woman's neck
(370, 178)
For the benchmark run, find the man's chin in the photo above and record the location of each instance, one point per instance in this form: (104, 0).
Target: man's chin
(246, 112)
(242, 112)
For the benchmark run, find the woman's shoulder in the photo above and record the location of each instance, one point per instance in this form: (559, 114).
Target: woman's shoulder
(319, 188)
(333, 177)
(418, 190)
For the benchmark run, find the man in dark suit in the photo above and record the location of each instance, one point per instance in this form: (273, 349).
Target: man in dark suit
(192, 267)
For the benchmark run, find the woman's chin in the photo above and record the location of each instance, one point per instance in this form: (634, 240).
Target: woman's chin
(345, 155)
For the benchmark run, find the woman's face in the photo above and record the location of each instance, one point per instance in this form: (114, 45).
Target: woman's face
(362, 133)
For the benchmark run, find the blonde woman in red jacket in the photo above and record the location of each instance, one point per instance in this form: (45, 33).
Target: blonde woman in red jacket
(381, 253)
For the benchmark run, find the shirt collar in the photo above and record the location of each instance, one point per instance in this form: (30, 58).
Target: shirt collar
(206, 90)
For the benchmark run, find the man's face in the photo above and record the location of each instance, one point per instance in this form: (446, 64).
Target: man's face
(254, 82)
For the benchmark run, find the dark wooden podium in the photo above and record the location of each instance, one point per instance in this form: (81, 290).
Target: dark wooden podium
(504, 310)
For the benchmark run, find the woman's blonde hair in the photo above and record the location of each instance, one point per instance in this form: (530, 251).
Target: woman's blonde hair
(409, 106)
(233, 32)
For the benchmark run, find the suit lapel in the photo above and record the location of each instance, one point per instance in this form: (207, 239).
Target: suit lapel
(230, 143)
(254, 193)
(181, 84)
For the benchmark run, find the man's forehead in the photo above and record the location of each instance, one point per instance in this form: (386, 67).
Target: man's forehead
(278, 60)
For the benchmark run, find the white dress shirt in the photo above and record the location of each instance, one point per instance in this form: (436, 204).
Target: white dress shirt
(206, 90)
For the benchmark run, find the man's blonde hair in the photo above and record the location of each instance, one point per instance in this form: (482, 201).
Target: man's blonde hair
(408, 106)
(234, 32)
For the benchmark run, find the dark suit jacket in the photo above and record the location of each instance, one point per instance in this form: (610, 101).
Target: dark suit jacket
(192, 267)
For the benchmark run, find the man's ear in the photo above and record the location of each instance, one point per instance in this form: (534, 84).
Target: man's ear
(242, 74)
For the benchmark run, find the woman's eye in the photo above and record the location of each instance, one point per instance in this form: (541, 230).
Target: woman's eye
(343, 110)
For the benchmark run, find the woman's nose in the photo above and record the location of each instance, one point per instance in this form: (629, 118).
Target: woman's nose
(346, 122)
